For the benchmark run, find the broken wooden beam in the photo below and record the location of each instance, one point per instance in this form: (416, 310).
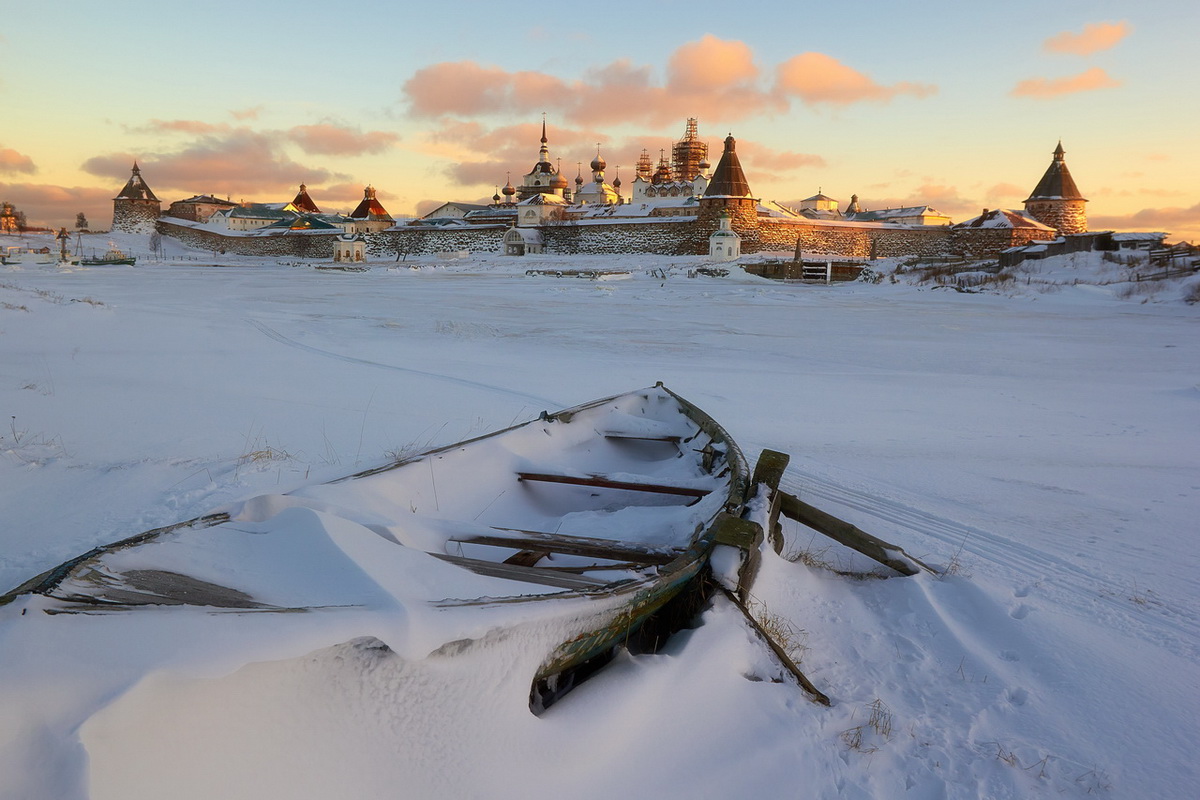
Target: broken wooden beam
(515, 572)
(570, 545)
(816, 694)
(605, 483)
(641, 438)
(845, 533)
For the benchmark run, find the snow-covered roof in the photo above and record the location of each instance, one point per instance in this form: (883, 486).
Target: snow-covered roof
(1138, 236)
(1003, 218)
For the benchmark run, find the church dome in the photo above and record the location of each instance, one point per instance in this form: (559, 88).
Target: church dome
(558, 181)
(598, 163)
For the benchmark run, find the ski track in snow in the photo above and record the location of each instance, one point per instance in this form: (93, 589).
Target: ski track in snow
(1061, 580)
(488, 387)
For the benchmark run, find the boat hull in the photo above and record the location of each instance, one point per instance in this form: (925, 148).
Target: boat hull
(607, 551)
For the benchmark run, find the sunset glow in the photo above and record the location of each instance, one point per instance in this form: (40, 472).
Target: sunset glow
(953, 105)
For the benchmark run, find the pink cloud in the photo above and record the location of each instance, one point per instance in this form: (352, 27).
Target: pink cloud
(56, 206)
(465, 87)
(1006, 191)
(1096, 36)
(240, 162)
(711, 64)
(347, 192)
(709, 78)
(1181, 223)
(246, 113)
(12, 161)
(339, 140)
(191, 126)
(819, 78)
(1045, 88)
(760, 157)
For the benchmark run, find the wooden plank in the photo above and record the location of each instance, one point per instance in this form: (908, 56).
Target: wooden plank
(784, 659)
(847, 534)
(634, 437)
(514, 572)
(571, 545)
(605, 483)
(527, 558)
(769, 470)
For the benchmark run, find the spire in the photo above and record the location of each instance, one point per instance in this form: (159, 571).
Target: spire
(728, 179)
(1057, 182)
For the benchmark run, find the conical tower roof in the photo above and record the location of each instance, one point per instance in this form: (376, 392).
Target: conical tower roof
(728, 180)
(1057, 183)
(305, 203)
(369, 208)
(136, 188)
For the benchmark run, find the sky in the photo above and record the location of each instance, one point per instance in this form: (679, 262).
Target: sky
(950, 104)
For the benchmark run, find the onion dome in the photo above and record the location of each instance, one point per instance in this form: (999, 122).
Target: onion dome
(598, 164)
(508, 189)
(558, 181)
(496, 197)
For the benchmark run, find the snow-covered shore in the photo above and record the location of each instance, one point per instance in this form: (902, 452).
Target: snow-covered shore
(1040, 441)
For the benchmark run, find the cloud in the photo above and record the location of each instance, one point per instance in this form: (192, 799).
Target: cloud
(425, 206)
(1045, 88)
(235, 163)
(338, 140)
(12, 161)
(819, 78)
(1096, 36)
(467, 88)
(710, 78)
(190, 126)
(56, 206)
(348, 192)
(762, 158)
(1182, 223)
(246, 113)
(1005, 191)
(711, 64)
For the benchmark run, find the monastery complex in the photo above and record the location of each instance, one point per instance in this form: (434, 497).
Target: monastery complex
(679, 205)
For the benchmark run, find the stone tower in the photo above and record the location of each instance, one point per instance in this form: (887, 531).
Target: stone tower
(1056, 201)
(729, 192)
(136, 208)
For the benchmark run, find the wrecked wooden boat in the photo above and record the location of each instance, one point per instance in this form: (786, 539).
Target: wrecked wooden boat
(599, 516)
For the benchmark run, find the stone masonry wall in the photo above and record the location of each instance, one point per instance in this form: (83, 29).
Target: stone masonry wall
(679, 238)
(297, 245)
(427, 241)
(1066, 216)
(858, 241)
(135, 216)
(989, 242)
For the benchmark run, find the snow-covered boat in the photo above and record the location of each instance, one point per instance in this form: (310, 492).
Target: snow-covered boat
(113, 257)
(603, 513)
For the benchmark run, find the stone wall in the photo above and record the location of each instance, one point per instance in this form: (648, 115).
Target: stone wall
(989, 242)
(668, 238)
(860, 241)
(135, 216)
(1065, 216)
(294, 245)
(427, 241)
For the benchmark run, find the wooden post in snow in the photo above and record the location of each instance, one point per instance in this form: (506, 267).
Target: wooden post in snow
(847, 534)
